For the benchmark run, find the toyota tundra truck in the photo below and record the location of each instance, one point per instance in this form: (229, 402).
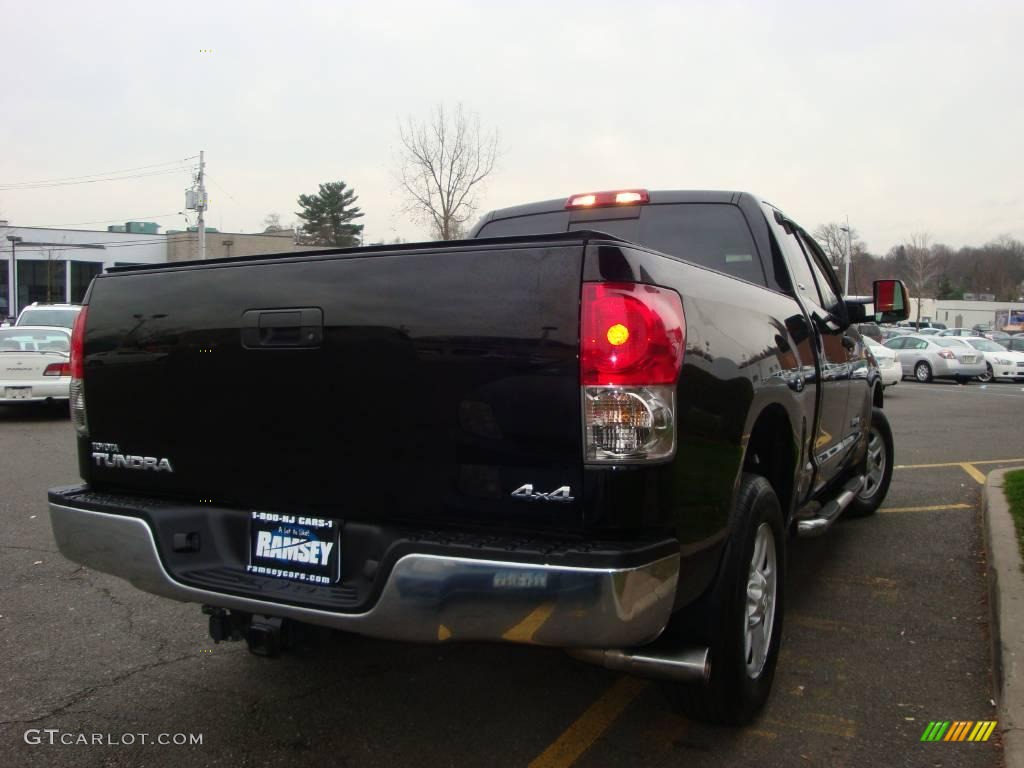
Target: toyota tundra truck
(595, 424)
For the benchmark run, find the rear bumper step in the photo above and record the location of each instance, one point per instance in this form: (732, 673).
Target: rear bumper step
(425, 597)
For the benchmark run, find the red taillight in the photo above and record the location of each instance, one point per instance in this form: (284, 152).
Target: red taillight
(630, 334)
(78, 345)
(945, 353)
(604, 199)
(58, 369)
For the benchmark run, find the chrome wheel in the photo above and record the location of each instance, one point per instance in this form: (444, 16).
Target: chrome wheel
(874, 469)
(762, 583)
(923, 373)
(987, 375)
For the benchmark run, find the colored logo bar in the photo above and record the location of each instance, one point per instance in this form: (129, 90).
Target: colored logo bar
(958, 730)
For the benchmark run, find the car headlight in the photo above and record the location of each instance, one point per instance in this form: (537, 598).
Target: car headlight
(1003, 361)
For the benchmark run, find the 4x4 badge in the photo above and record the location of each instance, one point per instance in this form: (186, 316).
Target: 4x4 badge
(559, 494)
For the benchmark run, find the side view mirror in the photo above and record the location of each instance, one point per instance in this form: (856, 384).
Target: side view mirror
(890, 301)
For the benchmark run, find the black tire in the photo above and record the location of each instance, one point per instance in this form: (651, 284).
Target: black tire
(877, 483)
(988, 375)
(732, 695)
(923, 372)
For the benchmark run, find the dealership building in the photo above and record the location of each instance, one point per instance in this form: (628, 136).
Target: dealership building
(56, 265)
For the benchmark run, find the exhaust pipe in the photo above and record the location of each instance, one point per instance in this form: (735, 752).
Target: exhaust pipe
(690, 665)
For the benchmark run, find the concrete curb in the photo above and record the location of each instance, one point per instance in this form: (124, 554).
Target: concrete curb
(1006, 603)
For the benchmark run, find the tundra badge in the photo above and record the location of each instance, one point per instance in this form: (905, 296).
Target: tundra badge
(109, 455)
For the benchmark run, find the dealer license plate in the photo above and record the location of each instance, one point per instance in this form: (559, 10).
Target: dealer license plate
(18, 393)
(294, 547)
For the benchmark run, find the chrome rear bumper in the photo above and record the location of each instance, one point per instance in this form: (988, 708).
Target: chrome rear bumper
(426, 598)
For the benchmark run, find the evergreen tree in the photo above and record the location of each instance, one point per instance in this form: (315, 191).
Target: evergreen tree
(947, 290)
(327, 216)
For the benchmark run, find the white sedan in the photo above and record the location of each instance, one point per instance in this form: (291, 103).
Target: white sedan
(888, 362)
(34, 364)
(1002, 363)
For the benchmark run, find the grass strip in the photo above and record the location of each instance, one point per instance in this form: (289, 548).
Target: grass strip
(1013, 485)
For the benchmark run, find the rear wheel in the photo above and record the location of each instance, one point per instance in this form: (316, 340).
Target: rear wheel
(745, 618)
(877, 468)
(923, 372)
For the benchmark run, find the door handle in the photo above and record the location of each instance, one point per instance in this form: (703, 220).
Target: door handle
(301, 328)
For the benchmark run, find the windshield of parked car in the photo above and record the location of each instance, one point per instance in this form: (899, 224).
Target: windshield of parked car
(38, 340)
(60, 318)
(985, 345)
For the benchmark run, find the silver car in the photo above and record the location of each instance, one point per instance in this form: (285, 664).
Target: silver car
(937, 357)
(34, 364)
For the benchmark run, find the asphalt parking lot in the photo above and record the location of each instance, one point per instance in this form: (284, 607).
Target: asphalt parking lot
(886, 629)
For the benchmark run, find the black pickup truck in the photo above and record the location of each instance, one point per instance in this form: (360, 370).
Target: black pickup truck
(593, 425)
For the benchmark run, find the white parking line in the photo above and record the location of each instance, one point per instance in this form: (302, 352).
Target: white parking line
(984, 389)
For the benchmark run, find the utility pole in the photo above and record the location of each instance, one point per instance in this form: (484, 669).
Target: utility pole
(12, 283)
(849, 254)
(201, 207)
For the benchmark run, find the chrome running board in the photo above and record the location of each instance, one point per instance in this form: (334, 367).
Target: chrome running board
(829, 513)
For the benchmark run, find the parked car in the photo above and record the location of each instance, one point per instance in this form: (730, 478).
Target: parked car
(891, 332)
(34, 365)
(994, 335)
(1002, 363)
(870, 331)
(1016, 343)
(50, 315)
(937, 357)
(888, 362)
(915, 325)
(549, 435)
(960, 332)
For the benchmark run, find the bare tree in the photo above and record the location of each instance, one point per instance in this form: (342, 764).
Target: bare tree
(272, 223)
(443, 162)
(920, 266)
(832, 239)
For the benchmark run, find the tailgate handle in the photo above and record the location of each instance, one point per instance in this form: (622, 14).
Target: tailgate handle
(276, 328)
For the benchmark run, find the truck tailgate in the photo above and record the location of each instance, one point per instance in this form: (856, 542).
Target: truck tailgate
(417, 385)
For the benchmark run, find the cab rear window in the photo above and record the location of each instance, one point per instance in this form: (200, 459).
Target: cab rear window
(713, 235)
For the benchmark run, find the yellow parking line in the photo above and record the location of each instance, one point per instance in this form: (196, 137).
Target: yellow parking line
(524, 631)
(974, 472)
(958, 463)
(581, 735)
(817, 722)
(933, 508)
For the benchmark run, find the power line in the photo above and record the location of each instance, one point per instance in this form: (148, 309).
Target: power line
(92, 175)
(218, 186)
(11, 188)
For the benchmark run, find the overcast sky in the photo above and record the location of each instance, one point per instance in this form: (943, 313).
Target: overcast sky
(908, 117)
